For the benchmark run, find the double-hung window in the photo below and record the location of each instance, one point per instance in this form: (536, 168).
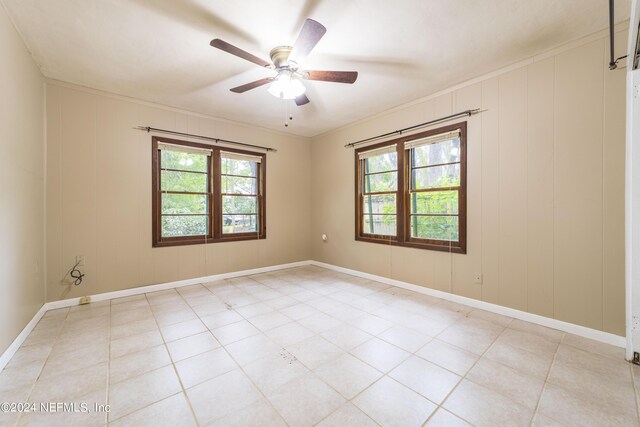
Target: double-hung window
(206, 194)
(412, 191)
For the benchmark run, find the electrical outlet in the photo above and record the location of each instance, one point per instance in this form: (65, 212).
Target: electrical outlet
(477, 278)
(635, 323)
(85, 300)
(80, 260)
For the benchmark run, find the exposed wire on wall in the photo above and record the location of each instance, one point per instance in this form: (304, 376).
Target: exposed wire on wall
(73, 277)
(76, 274)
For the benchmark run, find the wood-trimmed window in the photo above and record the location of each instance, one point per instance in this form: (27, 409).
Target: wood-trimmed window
(206, 194)
(411, 191)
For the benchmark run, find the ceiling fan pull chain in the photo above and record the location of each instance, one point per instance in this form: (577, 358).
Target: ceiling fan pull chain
(286, 108)
(289, 113)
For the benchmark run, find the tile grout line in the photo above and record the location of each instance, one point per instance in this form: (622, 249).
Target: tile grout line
(107, 418)
(55, 340)
(173, 364)
(144, 373)
(415, 355)
(463, 377)
(390, 301)
(546, 380)
(312, 371)
(319, 334)
(298, 302)
(232, 358)
(635, 390)
(463, 316)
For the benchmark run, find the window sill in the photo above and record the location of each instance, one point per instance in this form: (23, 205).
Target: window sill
(202, 240)
(459, 249)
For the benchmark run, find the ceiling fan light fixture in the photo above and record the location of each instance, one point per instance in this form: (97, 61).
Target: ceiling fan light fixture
(286, 86)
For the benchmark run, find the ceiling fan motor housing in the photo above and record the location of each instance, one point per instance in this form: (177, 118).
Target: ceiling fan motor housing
(280, 57)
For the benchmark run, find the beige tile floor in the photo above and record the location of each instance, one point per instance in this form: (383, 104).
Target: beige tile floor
(309, 346)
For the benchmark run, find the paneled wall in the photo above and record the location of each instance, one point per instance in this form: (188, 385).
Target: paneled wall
(21, 185)
(99, 196)
(545, 190)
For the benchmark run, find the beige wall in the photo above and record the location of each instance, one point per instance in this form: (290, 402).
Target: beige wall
(21, 185)
(545, 190)
(545, 195)
(99, 195)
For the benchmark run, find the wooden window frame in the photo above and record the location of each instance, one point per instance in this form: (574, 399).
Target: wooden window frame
(403, 194)
(215, 197)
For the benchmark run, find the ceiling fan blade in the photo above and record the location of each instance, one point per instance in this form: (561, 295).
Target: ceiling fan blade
(229, 48)
(252, 85)
(311, 33)
(333, 76)
(301, 100)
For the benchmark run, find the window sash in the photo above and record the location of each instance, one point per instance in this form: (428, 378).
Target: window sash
(411, 215)
(207, 199)
(363, 178)
(257, 195)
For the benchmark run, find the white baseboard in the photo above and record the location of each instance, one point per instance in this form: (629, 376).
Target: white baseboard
(15, 345)
(172, 285)
(582, 331)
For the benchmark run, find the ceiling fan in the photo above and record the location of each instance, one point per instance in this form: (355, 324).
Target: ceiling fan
(286, 61)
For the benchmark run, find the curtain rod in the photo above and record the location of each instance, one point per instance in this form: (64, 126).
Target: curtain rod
(431, 122)
(208, 138)
(613, 62)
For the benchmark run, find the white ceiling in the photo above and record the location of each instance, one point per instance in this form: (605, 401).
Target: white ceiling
(158, 50)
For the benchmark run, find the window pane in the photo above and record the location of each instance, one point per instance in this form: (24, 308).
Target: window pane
(184, 204)
(435, 227)
(184, 181)
(236, 185)
(438, 153)
(382, 204)
(183, 161)
(239, 205)
(239, 224)
(379, 224)
(239, 167)
(381, 163)
(381, 182)
(435, 202)
(436, 177)
(173, 226)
